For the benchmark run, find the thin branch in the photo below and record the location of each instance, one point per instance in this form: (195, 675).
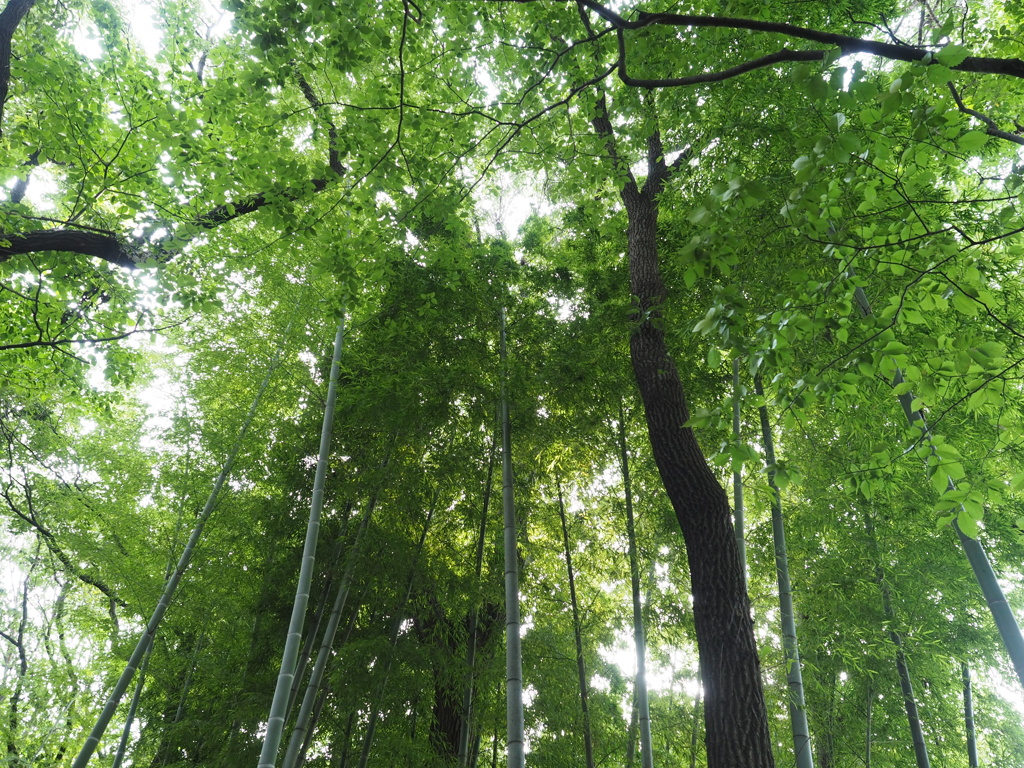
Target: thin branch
(779, 57)
(333, 159)
(50, 541)
(991, 128)
(98, 340)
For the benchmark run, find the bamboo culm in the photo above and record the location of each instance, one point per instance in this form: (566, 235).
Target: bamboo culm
(581, 669)
(737, 474)
(640, 641)
(171, 585)
(467, 698)
(794, 675)
(902, 669)
(303, 720)
(972, 744)
(513, 644)
(279, 703)
(1005, 621)
(396, 626)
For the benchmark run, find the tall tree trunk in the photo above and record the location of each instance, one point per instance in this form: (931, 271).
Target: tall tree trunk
(513, 645)
(577, 631)
(737, 473)
(736, 722)
(906, 686)
(972, 744)
(639, 640)
(290, 655)
(467, 697)
(794, 674)
(735, 716)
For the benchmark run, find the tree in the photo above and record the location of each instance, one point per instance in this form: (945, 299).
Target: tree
(212, 174)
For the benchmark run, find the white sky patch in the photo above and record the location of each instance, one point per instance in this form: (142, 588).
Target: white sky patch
(86, 40)
(42, 189)
(142, 23)
(508, 203)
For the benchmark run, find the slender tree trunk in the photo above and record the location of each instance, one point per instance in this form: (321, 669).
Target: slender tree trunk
(695, 729)
(346, 740)
(737, 473)
(513, 644)
(467, 698)
(581, 669)
(639, 640)
(826, 734)
(906, 686)
(631, 733)
(794, 675)
(318, 617)
(133, 706)
(171, 585)
(289, 658)
(14, 702)
(396, 626)
(1006, 622)
(867, 729)
(972, 744)
(303, 719)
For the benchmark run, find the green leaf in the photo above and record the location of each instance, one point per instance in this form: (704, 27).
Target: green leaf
(968, 525)
(952, 55)
(938, 74)
(972, 141)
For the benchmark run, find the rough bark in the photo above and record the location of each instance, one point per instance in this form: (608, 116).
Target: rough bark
(735, 718)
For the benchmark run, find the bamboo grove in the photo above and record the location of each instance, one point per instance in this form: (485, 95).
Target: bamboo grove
(373, 375)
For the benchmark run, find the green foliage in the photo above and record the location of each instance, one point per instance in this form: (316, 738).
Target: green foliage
(367, 134)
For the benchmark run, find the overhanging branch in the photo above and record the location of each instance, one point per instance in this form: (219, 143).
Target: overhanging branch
(779, 57)
(120, 252)
(991, 128)
(847, 44)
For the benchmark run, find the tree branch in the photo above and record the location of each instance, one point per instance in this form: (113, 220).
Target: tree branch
(95, 340)
(846, 43)
(50, 541)
(991, 128)
(103, 246)
(770, 60)
(115, 250)
(333, 159)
